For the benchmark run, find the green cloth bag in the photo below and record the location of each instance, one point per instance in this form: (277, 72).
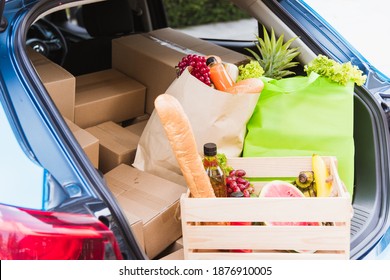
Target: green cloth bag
(303, 115)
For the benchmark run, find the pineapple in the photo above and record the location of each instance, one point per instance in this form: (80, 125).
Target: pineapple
(275, 57)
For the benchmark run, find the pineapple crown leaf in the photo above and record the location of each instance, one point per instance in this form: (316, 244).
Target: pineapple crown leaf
(284, 74)
(262, 47)
(266, 41)
(291, 54)
(288, 65)
(286, 45)
(274, 55)
(255, 55)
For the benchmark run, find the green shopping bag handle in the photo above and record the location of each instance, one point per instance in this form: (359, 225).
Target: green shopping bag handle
(289, 85)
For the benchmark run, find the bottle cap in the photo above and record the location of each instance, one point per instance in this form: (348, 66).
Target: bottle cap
(237, 194)
(211, 60)
(210, 149)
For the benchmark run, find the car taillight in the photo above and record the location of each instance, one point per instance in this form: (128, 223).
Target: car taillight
(32, 234)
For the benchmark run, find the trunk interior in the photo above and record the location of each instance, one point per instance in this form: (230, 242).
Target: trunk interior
(370, 202)
(371, 173)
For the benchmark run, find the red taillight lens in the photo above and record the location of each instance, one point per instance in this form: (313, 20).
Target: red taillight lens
(39, 235)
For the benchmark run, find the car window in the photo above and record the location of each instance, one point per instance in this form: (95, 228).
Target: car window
(18, 171)
(364, 24)
(211, 19)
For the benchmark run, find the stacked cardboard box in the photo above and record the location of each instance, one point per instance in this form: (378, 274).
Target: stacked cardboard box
(117, 145)
(174, 255)
(150, 58)
(88, 142)
(59, 83)
(151, 198)
(136, 226)
(107, 95)
(173, 252)
(137, 128)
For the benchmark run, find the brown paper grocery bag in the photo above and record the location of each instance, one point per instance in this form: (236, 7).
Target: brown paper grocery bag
(215, 116)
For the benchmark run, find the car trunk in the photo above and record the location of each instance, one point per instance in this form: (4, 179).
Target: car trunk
(370, 201)
(371, 128)
(371, 136)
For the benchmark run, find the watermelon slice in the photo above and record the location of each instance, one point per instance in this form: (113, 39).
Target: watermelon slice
(279, 188)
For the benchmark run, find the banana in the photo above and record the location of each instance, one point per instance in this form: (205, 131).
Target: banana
(305, 183)
(322, 178)
(305, 179)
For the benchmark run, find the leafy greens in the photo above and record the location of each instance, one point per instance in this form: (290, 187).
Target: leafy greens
(340, 73)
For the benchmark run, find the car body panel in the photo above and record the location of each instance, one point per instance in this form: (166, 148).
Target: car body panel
(27, 190)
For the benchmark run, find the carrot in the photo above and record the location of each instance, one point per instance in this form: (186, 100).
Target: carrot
(250, 85)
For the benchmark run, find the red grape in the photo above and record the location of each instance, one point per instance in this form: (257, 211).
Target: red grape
(235, 182)
(241, 186)
(199, 68)
(229, 180)
(241, 180)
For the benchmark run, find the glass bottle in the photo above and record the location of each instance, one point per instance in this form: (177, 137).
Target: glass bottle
(218, 74)
(213, 170)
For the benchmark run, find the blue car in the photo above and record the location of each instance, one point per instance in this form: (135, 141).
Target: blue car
(54, 199)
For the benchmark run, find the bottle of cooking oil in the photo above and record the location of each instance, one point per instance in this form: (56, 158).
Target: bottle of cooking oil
(213, 170)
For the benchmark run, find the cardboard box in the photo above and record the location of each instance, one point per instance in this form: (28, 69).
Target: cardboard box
(137, 229)
(154, 200)
(327, 237)
(107, 95)
(117, 145)
(175, 255)
(59, 83)
(174, 251)
(135, 222)
(178, 244)
(137, 128)
(88, 142)
(150, 58)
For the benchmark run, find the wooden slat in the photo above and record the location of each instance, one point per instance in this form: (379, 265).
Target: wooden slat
(266, 256)
(268, 237)
(267, 209)
(272, 166)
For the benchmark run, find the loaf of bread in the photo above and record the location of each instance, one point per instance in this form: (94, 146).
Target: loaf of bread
(181, 138)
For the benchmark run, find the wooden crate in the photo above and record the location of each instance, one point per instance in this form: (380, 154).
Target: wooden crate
(202, 240)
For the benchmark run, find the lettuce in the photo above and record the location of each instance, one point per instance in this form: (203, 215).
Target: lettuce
(222, 162)
(337, 72)
(250, 70)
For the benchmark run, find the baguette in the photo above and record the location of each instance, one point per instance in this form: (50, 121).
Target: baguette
(181, 138)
